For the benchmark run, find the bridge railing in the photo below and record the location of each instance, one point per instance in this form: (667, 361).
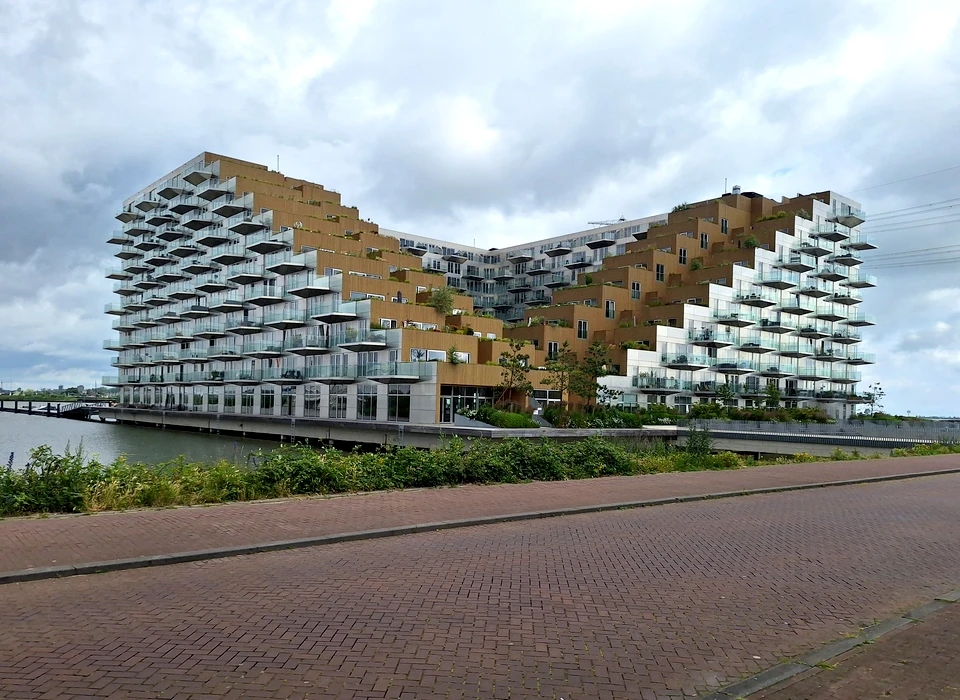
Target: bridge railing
(927, 431)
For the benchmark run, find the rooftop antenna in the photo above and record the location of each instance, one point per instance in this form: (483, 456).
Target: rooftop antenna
(724, 185)
(278, 162)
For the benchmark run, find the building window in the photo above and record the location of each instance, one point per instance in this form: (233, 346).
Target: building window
(331, 271)
(366, 403)
(682, 255)
(338, 401)
(723, 226)
(246, 400)
(229, 399)
(610, 308)
(582, 330)
(553, 349)
(266, 401)
(398, 403)
(660, 272)
(634, 290)
(704, 241)
(311, 402)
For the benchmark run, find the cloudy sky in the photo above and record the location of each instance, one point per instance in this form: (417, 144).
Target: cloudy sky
(487, 122)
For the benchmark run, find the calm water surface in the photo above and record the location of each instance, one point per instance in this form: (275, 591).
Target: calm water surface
(19, 433)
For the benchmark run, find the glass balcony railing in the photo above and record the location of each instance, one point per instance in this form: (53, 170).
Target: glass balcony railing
(660, 383)
(398, 370)
(341, 372)
(684, 359)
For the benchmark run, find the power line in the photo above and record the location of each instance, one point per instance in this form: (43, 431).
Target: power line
(896, 213)
(915, 251)
(919, 263)
(907, 226)
(906, 179)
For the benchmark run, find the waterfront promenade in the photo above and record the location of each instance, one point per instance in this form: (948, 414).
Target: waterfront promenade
(676, 600)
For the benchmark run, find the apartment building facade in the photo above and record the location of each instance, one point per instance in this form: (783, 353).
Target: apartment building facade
(245, 291)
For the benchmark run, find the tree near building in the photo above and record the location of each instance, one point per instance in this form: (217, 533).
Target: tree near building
(874, 397)
(441, 299)
(561, 369)
(595, 364)
(515, 371)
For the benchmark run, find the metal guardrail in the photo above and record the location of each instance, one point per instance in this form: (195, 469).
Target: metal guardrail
(928, 431)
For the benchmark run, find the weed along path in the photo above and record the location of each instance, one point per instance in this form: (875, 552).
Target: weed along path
(654, 603)
(30, 543)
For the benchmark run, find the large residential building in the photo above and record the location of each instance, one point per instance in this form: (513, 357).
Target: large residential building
(245, 291)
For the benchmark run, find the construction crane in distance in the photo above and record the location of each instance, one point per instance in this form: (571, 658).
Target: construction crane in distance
(607, 223)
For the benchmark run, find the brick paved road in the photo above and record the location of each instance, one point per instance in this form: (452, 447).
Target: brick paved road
(917, 663)
(29, 543)
(650, 603)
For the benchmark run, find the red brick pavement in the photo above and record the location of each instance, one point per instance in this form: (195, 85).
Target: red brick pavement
(32, 542)
(919, 662)
(652, 603)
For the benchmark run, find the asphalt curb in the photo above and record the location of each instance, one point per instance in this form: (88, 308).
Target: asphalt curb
(41, 573)
(786, 670)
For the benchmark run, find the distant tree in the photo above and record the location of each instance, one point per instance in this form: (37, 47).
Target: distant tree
(515, 364)
(595, 364)
(773, 395)
(875, 396)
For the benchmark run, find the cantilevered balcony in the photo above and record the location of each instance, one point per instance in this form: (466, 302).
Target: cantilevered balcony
(418, 250)
(229, 254)
(184, 204)
(856, 357)
(360, 340)
(849, 258)
(159, 258)
(128, 215)
(520, 256)
(242, 325)
(333, 311)
(847, 337)
(263, 350)
(659, 385)
(711, 337)
(214, 236)
(230, 206)
(827, 311)
(455, 256)
(539, 301)
(738, 318)
(859, 281)
(269, 242)
(832, 232)
(520, 286)
(504, 274)
(815, 289)
(181, 292)
(797, 262)
(307, 344)
(138, 229)
(833, 273)
(213, 283)
(859, 242)
(147, 244)
(172, 232)
(185, 249)
(603, 240)
(118, 273)
(156, 299)
(285, 319)
(731, 366)
(473, 273)
(779, 279)
(795, 347)
(134, 303)
(246, 225)
(860, 320)
(286, 263)
(146, 203)
(160, 218)
(263, 294)
(812, 372)
(173, 188)
(770, 367)
(685, 361)
(332, 374)
(225, 302)
(179, 335)
(113, 344)
(224, 353)
(170, 274)
(847, 298)
(503, 302)
(840, 375)
(814, 331)
(147, 282)
(779, 324)
(198, 175)
(558, 250)
(246, 273)
(198, 310)
(120, 238)
(197, 266)
(125, 324)
(283, 375)
(795, 305)
(398, 372)
(848, 216)
(198, 220)
(214, 189)
(538, 268)
(128, 252)
(114, 309)
(209, 330)
(758, 298)
(125, 289)
(241, 376)
(812, 246)
(757, 343)
(579, 262)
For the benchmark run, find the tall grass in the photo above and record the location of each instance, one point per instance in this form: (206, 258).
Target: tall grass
(71, 482)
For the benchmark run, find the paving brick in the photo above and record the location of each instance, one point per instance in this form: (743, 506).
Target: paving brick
(75, 540)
